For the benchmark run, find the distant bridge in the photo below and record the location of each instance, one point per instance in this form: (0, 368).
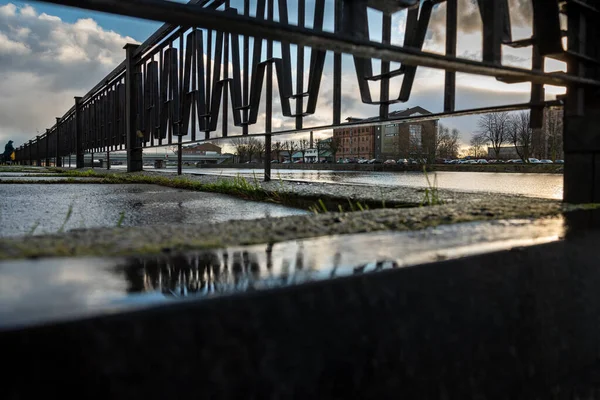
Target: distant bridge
(206, 159)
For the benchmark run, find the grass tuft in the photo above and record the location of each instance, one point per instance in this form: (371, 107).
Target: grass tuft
(432, 195)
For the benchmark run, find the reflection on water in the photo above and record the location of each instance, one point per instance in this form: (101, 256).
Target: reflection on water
(533, 185)
(214, 273)
(34, 291)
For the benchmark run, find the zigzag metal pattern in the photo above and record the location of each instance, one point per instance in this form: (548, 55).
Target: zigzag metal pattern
(182, 85)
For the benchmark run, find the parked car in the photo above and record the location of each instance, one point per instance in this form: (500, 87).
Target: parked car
(402, 161)
(287, 162)
(559, 162)
(390, 162)
(482, 161)
(274, 161)
(299, 162)
(546, 162)
(533, 161)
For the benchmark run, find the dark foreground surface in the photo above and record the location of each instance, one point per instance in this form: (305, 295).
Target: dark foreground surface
(519, 324)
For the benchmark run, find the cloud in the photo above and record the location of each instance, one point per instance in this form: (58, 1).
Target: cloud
(44, 63)
(469, 18)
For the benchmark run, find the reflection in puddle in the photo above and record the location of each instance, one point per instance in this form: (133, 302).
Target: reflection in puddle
(35, 291)
(211, 273)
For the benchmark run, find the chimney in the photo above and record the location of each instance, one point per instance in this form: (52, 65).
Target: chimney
(311, 140)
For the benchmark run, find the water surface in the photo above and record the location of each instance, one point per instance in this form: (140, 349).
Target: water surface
(44, 208)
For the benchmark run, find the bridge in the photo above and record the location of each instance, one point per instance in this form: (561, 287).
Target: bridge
(185, 158)
(167, 92)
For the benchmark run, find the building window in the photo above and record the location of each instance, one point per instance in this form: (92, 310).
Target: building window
(415, 136)
(391, 130)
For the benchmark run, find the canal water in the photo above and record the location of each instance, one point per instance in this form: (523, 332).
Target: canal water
(38, 208)
(549, 186)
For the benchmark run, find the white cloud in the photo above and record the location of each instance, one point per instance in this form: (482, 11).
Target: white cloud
(28, 11)
(8, 10)
(11, 47)
(44, 62)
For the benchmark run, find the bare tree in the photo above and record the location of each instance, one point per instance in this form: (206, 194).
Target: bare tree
(447, 142)
(276, 148)
(319, 146)
(554, 132)
(255, 146)
(494, 128)
(521, 135)
(303, 145)
(240, 145)
(291, 147)
(334, 146)
(478, 143)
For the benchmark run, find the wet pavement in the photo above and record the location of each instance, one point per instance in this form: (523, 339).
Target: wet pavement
(35, 291)
(549, 186)
(38, 208)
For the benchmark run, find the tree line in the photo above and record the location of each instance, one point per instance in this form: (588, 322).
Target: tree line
(499, 129)
(253, 148)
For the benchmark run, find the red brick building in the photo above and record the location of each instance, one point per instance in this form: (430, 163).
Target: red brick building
(358, 142)
(393, 140)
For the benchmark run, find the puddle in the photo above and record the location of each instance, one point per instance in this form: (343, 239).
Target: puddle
(56, 289)
(39, 209)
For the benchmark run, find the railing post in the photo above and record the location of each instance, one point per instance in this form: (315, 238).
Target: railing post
(179, 154)
(30, 156)
(47, 147)
(267, 158)
(78, 134)
(58, 161)
(38, 155)
(134, 150)
(582, 114)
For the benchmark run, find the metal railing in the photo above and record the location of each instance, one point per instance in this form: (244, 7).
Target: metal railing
(177, 87)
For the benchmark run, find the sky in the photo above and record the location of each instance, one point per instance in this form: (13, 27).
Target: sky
(49, 54)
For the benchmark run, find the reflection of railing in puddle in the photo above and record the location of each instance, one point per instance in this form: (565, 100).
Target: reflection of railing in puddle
(220, 272)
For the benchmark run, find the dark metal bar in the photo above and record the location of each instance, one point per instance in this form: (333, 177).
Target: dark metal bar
(182, 14)
(420, 118)
(386, 36)
(226, 83)
(37, 152)
(492, 14)
(300, 67)
(451, 36)
(179, 155)
(57, 160)
(269, 99)
(47, 147)
(208, 97)
(337, 68)
(246, 71)
(582, 108)
(134, 150)
(30, 147)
